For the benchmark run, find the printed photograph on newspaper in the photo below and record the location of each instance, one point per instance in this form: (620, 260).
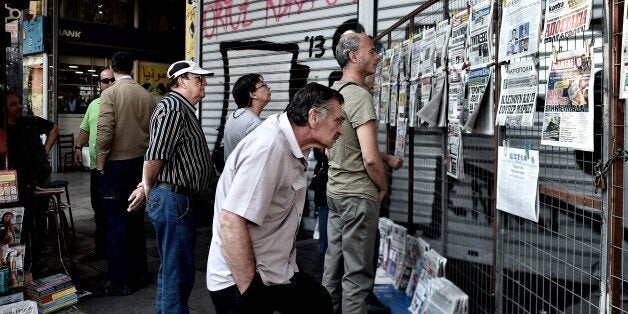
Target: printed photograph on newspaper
(564, 18)
(517, 99)
(519, 34)
(568, 117)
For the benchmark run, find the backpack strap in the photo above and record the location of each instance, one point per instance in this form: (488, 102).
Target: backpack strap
(346, 84)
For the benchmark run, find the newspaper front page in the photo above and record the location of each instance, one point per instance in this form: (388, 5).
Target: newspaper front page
(519, 35)
(427, 51)
(564, 18)
(455, 112)
(517, 182)
(479, 80)
(458, 40)
(480, 40)
(623, 79)
(568, 118)
(517, 99)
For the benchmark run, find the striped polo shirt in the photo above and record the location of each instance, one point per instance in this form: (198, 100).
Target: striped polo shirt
(176, 137)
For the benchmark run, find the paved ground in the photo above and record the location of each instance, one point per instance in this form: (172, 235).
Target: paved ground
(142, 301)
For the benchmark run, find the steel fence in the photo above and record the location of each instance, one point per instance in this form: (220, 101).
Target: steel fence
(571, 260)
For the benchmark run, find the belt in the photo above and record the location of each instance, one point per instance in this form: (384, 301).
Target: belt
(178, 189)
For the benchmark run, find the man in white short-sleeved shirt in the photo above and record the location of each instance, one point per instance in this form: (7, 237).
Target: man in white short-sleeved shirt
(259, 201)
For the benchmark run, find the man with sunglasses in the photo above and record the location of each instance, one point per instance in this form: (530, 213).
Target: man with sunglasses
(121, 142)
(251, 95)
(87, 134)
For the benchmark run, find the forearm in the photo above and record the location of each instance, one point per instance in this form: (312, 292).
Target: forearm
(237, 248)
(149, 173)
(83, 138)
(377, 173)
(51, 137)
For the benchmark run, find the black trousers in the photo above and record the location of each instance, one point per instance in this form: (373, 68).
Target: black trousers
(302, 295)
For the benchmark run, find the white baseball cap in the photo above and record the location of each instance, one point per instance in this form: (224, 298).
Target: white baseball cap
(186, 66)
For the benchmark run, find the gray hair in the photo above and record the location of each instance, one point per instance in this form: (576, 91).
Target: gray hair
(347, 44)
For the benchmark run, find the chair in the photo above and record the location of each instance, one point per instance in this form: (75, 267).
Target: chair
(66, 151)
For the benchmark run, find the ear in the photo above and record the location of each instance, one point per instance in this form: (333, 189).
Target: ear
(313, 117)
(353, 56)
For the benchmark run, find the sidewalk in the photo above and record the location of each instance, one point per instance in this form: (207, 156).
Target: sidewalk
(142, 301)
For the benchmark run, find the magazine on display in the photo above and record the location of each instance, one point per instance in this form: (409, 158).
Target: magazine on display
(564, 18)
(519, 34)
(568, 114)
(480, 36)
(11, 225)
(517, 99)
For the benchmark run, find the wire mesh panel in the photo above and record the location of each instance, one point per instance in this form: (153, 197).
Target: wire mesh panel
(553, 265)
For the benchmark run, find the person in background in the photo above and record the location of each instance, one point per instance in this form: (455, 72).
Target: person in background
(121, 142)
(252, 266)
(251, 95)
(319, 185)
(176, 179)
(357, 182)
(87, 134)
(29, 157)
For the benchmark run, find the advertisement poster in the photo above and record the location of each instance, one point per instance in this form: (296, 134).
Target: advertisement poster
(153, 78)
(480, 37)
(519, 35)
(517, 182)
(565, 18)
(191, 7)
(517, 99)
(568, 119)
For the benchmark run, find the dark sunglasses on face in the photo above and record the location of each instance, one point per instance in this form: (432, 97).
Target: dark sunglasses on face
(108, 80)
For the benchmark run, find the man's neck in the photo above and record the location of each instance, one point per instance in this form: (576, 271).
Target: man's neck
(352, 76)
(118, 76)
(255, 108)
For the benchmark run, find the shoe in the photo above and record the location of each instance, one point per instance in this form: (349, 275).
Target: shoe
(374, 305)
(92, 256)
(139, 282)
(111, 289)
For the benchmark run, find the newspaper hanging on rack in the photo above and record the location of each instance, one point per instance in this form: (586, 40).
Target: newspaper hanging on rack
(458, 41)
(519, 35)
(479, 80)
(480, 37)
(623, 79)
(415, 56)
(427, 51)
(568, 119)
(455, 111)
(565, 18)
(517, 99)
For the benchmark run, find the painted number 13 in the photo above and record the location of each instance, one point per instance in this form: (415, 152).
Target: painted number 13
(316, 43)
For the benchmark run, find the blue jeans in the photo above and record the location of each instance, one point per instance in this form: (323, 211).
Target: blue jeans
(173, 217)
(323, 213)
(126, 240)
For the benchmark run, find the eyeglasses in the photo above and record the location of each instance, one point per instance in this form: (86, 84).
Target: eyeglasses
(108, 80)
(338, 120)
(263, 85)
(200, 79)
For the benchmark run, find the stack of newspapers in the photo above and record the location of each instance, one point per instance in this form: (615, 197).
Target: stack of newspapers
(52, 293)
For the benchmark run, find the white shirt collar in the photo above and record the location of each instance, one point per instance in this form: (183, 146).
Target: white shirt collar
(286, 128)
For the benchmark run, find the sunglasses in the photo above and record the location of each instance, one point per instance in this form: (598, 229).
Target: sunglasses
(263, 85)
(108, 80)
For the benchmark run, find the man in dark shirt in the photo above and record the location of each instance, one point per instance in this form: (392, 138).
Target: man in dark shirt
(176, 179)
(29, 157)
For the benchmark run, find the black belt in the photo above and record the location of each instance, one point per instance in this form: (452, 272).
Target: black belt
(178, 189)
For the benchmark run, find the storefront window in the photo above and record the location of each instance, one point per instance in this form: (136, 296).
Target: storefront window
(77, 87)
(112, 12)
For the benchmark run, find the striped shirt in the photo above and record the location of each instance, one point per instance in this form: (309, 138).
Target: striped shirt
(176, 138)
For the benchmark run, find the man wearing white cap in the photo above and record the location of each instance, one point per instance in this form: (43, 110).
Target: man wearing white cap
(176, 182)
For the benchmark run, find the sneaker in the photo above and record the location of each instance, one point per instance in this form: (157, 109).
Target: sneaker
(111, 289)
(374, 305)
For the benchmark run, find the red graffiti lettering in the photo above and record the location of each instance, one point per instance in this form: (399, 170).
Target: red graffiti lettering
(284, 7)
(221, 13)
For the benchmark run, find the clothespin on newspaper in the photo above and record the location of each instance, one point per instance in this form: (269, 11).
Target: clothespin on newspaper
(506, 143)
(527, 147)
